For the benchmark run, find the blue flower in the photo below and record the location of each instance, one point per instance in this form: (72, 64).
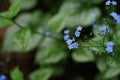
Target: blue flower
(104, 30)
(66, 31)
(75, 45)
(116, 17)
(114, 3)
(77, 34)
(47, 32)
(66, 37)
(109, 46)
(79, 28)
(109, 49)
(70, 46)
(108, 2)
(2, 77)
(69, 41)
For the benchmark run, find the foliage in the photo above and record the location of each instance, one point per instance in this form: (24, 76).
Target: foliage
(16, 74)
(98, 41)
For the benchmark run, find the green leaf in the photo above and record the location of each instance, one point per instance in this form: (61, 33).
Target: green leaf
(101, 63)
(5, 17)
(26, 4)
(9, 42)
(55, 23)
(42, 74)
(111, 73)
(16, 74)
(49, 52)
(15, 8)
(84, 18)
(67, 19)
(59, 21)
(8, 39)
(34, 19)
(69, 7)
(24, 19)
(22, 38)
(83, 55)
(113, 61)
(101, 77)
(4, 22)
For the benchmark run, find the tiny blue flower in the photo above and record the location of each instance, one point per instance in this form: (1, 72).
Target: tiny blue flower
(77, 34)
(79, 28)
(116, 17)
(109, 49)
(73, 45)
(110, 44)
(2, 77)
(47, 32)
(104, 30)
(66, 37)
(108, 2)
(66, 31)
(69, 41)
(114, 3)
(70, 46)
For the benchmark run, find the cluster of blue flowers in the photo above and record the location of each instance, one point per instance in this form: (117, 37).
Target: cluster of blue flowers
(115, 16)
(2, 77)
(77, 32)
(71, 42)
(109, 47)
(113, 2)
(104, 30)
